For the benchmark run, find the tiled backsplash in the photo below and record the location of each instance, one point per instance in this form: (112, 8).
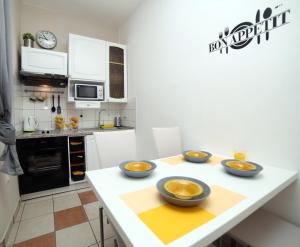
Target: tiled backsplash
(17, 108)
(88, 118)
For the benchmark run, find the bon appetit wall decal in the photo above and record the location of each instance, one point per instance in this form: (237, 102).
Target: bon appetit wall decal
(242, 34)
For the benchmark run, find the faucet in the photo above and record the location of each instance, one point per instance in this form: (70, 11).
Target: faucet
(100, 116)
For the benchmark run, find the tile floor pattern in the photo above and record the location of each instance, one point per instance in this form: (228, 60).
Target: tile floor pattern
(69, 219)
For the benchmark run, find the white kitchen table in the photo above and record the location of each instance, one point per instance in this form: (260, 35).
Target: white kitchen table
(109, 184)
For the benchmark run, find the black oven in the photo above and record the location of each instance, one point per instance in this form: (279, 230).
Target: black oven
(44, 162)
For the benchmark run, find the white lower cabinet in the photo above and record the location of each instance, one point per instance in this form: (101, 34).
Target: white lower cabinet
(110, 242)
(91, 153)
(110, 235)
(109, 231)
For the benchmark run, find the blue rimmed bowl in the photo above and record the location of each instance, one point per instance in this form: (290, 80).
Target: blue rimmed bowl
(137, 169)
(241, 168)
(196, 156)
(171, 198)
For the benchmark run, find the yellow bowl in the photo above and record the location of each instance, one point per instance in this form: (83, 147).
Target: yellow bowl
(196, 154)
(137, 166)
(183, 189)
(107, 126)
(241, 165)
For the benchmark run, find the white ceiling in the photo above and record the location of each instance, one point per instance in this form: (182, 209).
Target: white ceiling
(113, 12)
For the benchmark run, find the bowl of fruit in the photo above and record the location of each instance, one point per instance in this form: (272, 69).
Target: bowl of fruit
(74, 122)
(59, 122)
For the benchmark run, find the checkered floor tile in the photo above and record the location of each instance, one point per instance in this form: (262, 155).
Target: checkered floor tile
(68, 219)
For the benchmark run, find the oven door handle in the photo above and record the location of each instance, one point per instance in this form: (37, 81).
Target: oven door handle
(44, 170)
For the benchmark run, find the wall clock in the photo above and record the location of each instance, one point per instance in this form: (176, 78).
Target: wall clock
(46, 39)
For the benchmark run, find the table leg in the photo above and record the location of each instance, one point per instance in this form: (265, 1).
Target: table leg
(219, 242)
(101, 226)
(232, 242)
(115, 243)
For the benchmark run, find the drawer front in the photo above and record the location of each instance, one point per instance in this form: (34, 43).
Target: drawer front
(42, 143)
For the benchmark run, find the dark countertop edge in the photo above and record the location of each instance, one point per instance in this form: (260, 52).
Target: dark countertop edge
(66, 133)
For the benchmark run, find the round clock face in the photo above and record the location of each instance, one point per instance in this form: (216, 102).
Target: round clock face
(46, 39)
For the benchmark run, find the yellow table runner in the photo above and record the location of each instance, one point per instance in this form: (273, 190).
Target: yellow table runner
(169, 222)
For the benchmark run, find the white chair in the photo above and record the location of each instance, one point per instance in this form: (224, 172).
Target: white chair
(264, 229)
(167, 141)
(115, 147)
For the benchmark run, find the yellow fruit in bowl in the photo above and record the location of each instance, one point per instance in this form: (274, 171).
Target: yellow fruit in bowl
(74, 125)
(60, 125)
(59, 119)
(74, 119)
(59, 122)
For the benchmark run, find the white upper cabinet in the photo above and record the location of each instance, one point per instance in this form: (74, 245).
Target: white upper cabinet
(116, 73)
(43, 61)
(87, 58)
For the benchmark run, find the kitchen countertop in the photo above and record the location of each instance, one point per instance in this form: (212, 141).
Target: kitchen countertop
(73, 132)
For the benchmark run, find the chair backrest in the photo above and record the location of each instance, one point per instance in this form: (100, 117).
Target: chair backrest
(114, 147)
(167, 141)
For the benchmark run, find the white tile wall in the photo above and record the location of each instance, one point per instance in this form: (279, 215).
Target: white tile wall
(17, 104)
(87, 118)
(128, 113)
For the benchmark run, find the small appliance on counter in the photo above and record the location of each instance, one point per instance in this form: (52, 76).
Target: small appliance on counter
(118, 121)
(30, 124)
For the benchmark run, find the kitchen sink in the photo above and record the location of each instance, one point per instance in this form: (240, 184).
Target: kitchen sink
(114, 128)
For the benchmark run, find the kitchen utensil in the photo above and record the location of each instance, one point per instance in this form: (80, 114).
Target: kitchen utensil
(137, 169)
(257, 19)
(32, 98)
(30, 124)
(196, 156)
(241, 168)
(40, 98)
(53, 107)
(267, 13)
(58, 105)
(182, 202)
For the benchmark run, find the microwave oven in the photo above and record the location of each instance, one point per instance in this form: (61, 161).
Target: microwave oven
(89, 92)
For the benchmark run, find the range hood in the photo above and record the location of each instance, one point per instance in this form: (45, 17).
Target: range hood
(44, 67)
(36, 79)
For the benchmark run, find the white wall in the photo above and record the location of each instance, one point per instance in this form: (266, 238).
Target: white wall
(245, 100)
(9, 191)
(34, 19)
